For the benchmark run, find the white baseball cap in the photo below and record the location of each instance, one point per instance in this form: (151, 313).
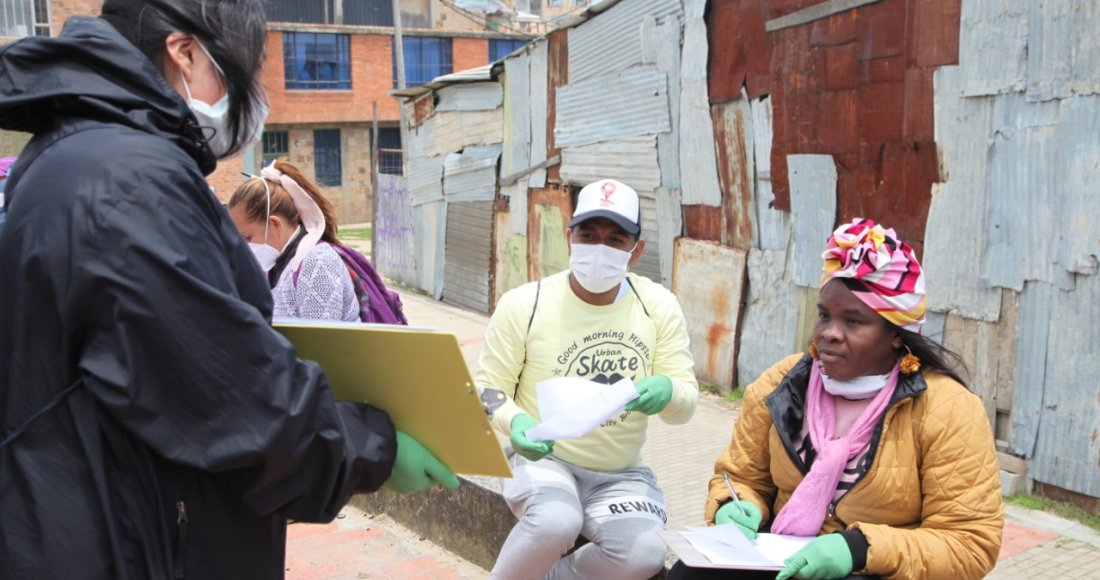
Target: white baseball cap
(609, 199)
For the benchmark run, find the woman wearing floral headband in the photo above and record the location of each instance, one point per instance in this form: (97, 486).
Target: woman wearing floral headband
(871, 442)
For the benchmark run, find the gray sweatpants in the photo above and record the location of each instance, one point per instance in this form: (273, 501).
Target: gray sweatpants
(619, 512)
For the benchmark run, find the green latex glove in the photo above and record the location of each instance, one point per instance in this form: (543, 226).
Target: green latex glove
(654, 393)
(530, 450)
(747, 522)
(823, 558)
(415, 468)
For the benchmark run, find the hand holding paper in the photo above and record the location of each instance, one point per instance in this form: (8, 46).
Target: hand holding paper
(571, 406)
(654, 393)
(748, 522)
(416, 469)
(825, 557)
(530, 450)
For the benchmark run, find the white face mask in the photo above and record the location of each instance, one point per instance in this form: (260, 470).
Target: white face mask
(265, 255)
(216, 117)
(598, 268)
(858, 388)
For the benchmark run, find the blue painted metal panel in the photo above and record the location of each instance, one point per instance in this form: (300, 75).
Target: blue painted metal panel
(992, 47)
(1063, 49)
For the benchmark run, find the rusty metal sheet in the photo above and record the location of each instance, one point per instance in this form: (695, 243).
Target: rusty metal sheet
(472, 174)
(612, 41)
(425, 179)
(517, 114)
(703, 222)
(632, 161)
(1063, 49)
(900, 191)
(626, 104)
(993, 47)
(811, 11)
(453, 131)
(663, 50)
(469, 97)
(733, 136)
(429, 233)
(538, 79)
(422, 109)
(393, 252)
(773, 225)
(770, 322)
(936, 24)
(813, 214)
(468, 255)
(727, 64)
(557, 69)
(1078, 185)
(547, 243)
(1067, 450)
(708, 279)
(955, 232)
(1031, 367)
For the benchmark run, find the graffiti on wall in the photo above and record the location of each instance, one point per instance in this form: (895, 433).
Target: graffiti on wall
(394, 256)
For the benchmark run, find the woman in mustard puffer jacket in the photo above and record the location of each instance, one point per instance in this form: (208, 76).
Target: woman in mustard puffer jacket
(871, 442)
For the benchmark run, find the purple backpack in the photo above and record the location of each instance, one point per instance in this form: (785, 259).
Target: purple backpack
(377, 303)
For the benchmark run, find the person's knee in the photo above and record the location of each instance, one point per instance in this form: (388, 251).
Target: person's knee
(648, 554)
(554, 525)
(638, 556)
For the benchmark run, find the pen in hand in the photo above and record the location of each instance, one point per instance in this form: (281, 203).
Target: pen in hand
(733, 494)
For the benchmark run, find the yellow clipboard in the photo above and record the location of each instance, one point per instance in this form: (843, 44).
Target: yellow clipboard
(418, 376)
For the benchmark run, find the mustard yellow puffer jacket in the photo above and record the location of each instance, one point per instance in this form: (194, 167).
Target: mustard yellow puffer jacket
(930, 506)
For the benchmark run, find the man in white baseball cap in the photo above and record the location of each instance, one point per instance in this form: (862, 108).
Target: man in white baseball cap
(594, 321)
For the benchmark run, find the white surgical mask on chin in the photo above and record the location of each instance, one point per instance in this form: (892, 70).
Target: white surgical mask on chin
(858, 388)
(598, 268)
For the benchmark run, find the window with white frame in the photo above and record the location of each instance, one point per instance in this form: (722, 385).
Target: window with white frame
(19, 18)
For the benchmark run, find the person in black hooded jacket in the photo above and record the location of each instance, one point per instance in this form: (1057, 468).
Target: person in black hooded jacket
(152, 424)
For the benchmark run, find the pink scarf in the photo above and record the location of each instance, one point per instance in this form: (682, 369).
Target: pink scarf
(805, 511)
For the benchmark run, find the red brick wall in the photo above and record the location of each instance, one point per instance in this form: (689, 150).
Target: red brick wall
(467, 53)
(61, 10)
(371, 80)
(227, 177)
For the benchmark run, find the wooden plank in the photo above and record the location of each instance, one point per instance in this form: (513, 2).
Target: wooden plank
(1011, 463)
(815, 12)
(709, 280)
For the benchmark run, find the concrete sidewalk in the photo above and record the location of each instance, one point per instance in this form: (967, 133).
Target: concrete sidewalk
(683, 458)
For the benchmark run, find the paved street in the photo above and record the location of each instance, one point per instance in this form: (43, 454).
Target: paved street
(359, 546)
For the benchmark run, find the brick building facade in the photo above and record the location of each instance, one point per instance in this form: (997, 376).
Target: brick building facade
(324, 73)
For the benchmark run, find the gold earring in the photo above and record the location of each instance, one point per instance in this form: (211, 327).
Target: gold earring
(812, 350)
(910, 363)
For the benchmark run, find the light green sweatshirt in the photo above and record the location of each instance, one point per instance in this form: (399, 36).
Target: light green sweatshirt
(569, 337)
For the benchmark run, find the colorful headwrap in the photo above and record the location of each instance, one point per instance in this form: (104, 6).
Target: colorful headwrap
(890, 278)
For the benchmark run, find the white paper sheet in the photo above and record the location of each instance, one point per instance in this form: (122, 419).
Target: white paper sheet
(571, 407)
(727, 546)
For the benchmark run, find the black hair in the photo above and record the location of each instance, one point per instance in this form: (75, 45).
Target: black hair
(232, 31)
(934, 356)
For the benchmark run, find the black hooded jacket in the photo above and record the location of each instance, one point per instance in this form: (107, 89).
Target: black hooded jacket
(184, 430)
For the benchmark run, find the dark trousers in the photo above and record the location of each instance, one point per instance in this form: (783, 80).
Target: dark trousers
(680, 571)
